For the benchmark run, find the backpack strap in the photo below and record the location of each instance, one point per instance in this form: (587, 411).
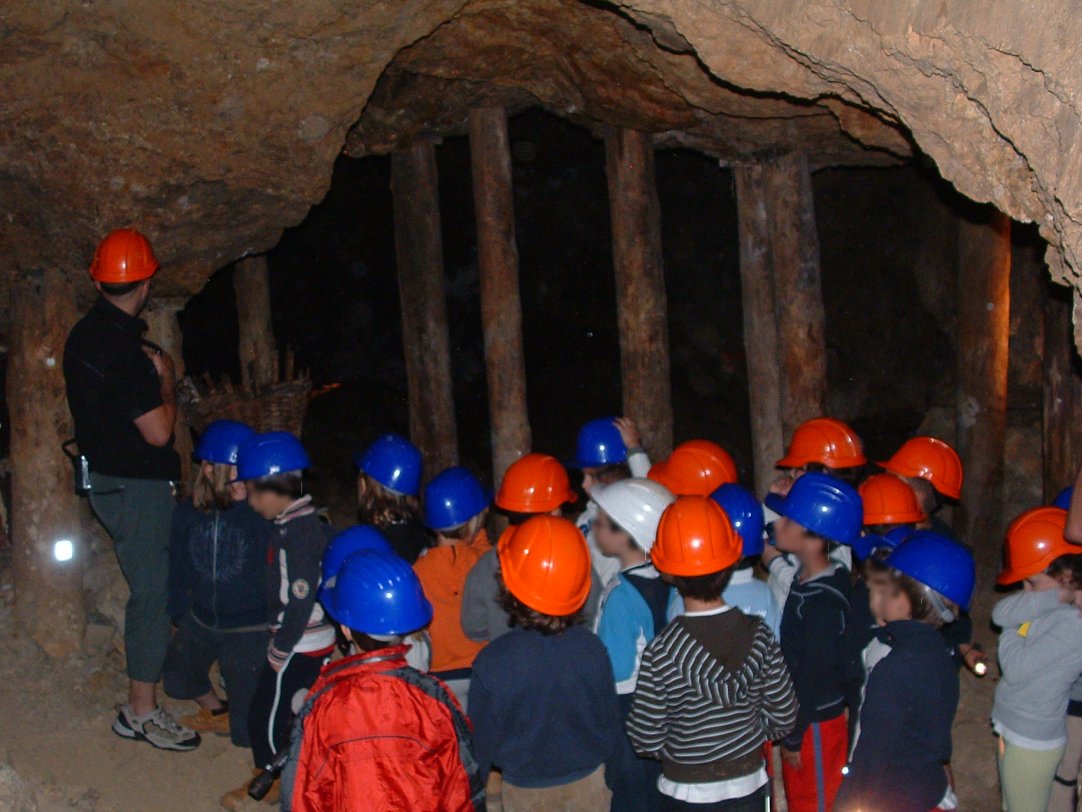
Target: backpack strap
(463, 732)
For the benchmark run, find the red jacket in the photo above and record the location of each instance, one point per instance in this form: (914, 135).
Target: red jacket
(375, 741)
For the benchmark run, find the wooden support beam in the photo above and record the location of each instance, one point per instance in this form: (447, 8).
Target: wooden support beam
(49, 593)
(1061, 428)
(760, 329)
(501, 306)
(256, 349)
(798, 296)
(425, 341)
(641, 303)
(983, 306)
(164, 330)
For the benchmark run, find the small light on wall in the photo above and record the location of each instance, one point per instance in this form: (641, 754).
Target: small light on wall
(63, 550)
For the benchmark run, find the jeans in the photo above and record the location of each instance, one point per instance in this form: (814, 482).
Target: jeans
(239, 654)
(138, 514)
(276, 701)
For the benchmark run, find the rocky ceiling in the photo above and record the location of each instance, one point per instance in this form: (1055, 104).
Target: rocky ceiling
(213, 125)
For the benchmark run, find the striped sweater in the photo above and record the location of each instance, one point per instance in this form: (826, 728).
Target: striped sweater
(712, 688)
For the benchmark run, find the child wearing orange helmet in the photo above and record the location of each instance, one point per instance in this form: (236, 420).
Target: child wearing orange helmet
(934, 471)
(542, 698)
(713, 687)
(1040, 654)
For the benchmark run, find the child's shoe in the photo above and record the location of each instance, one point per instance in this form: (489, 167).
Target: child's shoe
(157, 728)
(208, 721)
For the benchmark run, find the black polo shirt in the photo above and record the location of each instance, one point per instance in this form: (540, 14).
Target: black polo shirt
(111, 382)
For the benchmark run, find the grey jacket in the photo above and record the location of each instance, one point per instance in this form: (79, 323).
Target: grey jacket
(482, 616)
(1040, 663)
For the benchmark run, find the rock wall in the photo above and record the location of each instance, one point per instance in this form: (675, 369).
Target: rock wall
(214, 125)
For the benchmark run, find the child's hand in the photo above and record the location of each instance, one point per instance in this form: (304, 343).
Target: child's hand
(629, 432)
(781, 485)
(769, 554)
(792, 758)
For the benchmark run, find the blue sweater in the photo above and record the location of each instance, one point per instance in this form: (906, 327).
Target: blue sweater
(217, 566)
(905, 724)
(632, 613)
(812, 640)
(543, 707)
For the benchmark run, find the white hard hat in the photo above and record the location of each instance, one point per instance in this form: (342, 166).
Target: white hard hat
(636, 506)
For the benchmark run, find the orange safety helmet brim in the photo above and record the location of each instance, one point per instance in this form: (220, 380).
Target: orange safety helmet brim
(536, 483)
(889, 500)
(695, 468)
(931, 459)
(826, 441)
(545, 564)
(1034, 540)
(695, 537)
(123, 256)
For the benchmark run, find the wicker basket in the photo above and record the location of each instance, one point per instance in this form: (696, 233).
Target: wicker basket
(279, 406)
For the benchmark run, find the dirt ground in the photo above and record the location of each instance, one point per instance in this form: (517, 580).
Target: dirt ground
(55, 733)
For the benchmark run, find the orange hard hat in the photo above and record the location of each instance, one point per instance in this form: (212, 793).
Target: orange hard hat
(695, 537)
(888, 500)
(825, 441)
(536, 483)
(123, 256)
(1034, 540)
(695, 468)
(930, 459)
(545, 563)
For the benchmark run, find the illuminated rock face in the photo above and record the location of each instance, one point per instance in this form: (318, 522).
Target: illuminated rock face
(214, 125)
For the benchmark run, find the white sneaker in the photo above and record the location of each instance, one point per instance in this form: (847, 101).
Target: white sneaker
(158, 728)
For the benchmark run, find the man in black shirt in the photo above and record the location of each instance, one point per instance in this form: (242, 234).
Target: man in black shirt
(121, 392)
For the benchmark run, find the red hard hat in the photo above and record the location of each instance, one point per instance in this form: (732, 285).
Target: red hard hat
(1034, 540)
(697, 467)
(695, 537)
(930, 459)
(889, 500)
(825, 441)
(536, 483)
(545, 563)
(123, 256)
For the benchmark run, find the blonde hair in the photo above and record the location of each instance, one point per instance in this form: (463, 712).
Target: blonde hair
(380, 507)
(212, 492)
(467, 531)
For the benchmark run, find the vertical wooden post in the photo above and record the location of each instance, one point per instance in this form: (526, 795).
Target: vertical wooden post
(425, 341)
(984, 268)
(1061, 428)
(49, 593)
(760, 329)
(641, 303)
(256, 348)
(161, 317)
(501, 307)
(798, 297)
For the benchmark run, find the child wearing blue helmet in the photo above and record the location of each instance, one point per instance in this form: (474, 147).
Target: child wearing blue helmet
(746, 592)
(388, 493)
(455, 509)
(375, 733)
(819, 512)
(217, 600)
(903, 738)
(271, 465)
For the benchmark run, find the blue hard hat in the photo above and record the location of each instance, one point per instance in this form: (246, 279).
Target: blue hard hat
(220, 441)
(394, 462)
(864, 546)
(822, 504)
(745, 515)
(1063, 498)
(270, 453)
(939, 562)
(377, 593)
(599, 443)
(349, 541)
(453, 498)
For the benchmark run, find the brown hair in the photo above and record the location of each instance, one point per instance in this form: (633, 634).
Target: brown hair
(380, 507)
(614, 472)
(702, 587)
(920, 602)
(522, 616)
(467, 531)
(852, 475)
(211, 492)
(1067, 569)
